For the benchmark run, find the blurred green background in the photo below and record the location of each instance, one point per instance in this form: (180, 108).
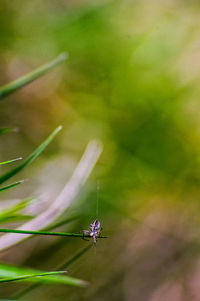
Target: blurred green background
(132, 81)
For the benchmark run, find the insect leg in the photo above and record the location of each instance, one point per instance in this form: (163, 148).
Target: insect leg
(99, 231)
(85, 232)
(95, 239)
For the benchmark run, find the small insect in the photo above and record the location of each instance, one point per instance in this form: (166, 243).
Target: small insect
(95, 230)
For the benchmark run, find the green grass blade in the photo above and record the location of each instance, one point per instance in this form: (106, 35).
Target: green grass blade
(15, 218)
(69, 262)
(26, 79)
(47, 233)
(7, 130)
(75, 257)
(10, 161)
(32, 157)
(9, 271)
(25, 277)
(62, 222)
(11, 185)
(8, 213)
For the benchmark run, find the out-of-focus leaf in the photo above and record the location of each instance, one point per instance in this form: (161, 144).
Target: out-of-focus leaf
(62, 222)
(10, 161)
(8, 213)
(26, 79)
(15, 218)
(32, 157)
(11, 185)
(7, 130)
(75, 257)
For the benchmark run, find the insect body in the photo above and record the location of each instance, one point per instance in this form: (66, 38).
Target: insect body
(95, 230)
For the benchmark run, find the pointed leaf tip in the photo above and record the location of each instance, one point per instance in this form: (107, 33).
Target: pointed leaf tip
(63, 56)
(31, 157)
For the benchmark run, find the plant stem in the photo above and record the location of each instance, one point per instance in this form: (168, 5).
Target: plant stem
(26, 79)
(47, 233)
(11, 185)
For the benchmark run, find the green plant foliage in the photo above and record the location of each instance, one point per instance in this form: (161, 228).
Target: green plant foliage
(62, 222)
(31, 158)
(10, 272)
(24, 80)
(11, 185)
(16, 217)
(26, 277)
(75, 257)
(13, 211)
(7, 130)
(69, 262)
(10, 161)
(133, 81)
(48, 233)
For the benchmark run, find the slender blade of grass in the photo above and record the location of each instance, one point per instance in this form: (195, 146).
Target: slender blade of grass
(62, 222)
(31, 158)
(75, 257)
(25, 277)
(28, 78)
(10, 161)
(47, 233)
(63, 266)
(5, 214)
(15, 218)
(9, 271)
(11, 185)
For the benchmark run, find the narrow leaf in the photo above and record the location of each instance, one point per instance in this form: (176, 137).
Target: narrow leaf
(11, 185)
(26, 79)
(9, 271)
(69, 262)
(75, 257)
(10, 161)
(8, 213)
(25, 277)
(15, 218)
(32, 157)
(62, 222)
